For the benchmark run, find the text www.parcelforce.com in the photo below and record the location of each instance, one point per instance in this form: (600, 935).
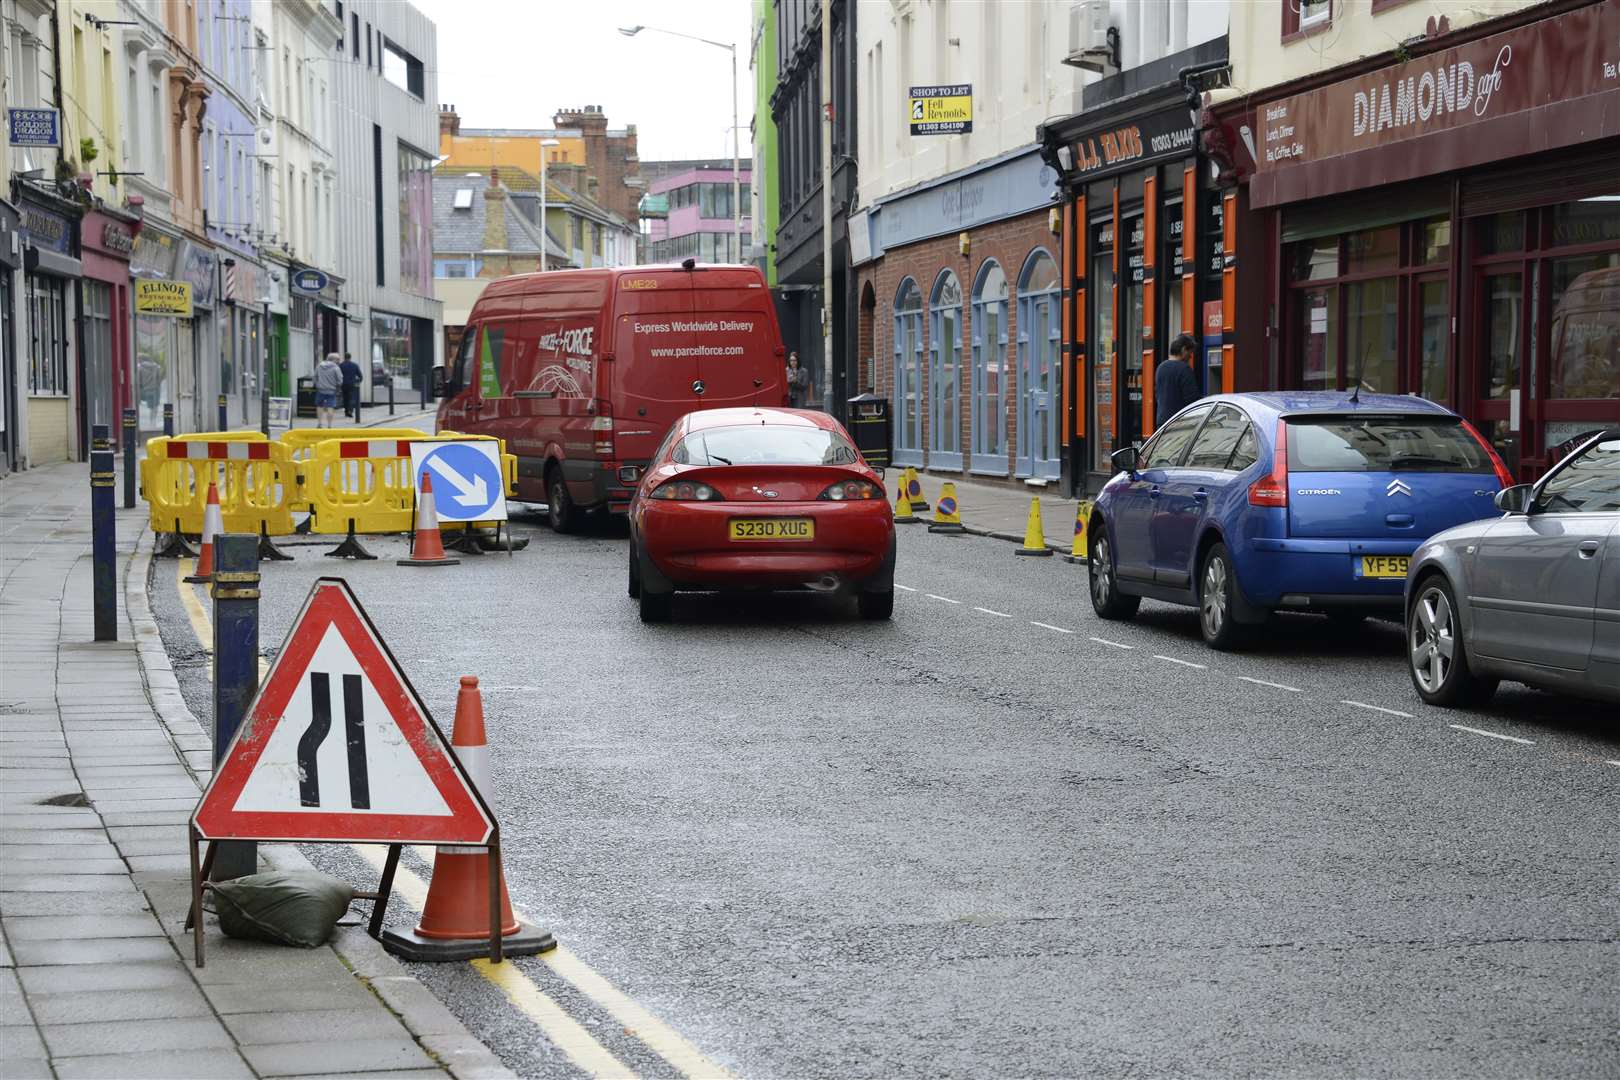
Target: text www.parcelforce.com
(699, 350)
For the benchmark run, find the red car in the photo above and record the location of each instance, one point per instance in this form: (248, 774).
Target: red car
(760, 498)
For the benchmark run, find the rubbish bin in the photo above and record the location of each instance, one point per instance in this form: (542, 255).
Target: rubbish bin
(305, 405)
(871, 428)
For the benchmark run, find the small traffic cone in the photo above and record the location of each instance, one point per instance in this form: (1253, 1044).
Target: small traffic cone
(1081, 549)
(1034, 532)
(455, 919)
(428, 547)
(914, 491)
(903, 513)
(213, 525)
(946, 518)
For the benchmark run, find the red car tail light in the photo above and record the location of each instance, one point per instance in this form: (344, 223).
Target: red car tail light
(1272, 489)
(1503, 477)
(685, 491)
(852, 491)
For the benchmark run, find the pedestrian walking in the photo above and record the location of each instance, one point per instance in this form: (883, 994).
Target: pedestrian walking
(1174, 384)
(798, 382)
(328, 385)
(351, 387)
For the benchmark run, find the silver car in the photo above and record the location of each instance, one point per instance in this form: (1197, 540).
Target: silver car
(1532, 596)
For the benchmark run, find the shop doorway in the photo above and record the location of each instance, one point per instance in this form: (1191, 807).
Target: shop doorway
(1040, 327)
(944, 371)
(908, 374)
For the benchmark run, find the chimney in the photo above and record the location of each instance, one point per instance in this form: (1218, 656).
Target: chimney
(449, 122)
(495, 214)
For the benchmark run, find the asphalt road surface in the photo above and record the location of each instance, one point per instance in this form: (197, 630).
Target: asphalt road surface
(995, 837)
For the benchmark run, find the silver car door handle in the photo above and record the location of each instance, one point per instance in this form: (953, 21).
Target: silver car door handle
(1201, 494)
(1588, 549)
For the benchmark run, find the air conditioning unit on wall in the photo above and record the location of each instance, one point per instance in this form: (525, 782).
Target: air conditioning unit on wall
(1093, 43)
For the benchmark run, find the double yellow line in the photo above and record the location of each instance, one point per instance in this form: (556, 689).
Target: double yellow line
(564, 1032)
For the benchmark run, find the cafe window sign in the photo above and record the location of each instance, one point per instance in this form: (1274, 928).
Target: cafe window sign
(154, 296)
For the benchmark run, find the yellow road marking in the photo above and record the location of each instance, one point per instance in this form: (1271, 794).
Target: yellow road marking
(662, 1039)
(565, 1032)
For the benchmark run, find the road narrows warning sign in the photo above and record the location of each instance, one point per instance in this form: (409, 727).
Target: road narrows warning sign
(337, 747)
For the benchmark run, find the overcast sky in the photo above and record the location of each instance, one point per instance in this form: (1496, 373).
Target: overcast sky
(512, 63)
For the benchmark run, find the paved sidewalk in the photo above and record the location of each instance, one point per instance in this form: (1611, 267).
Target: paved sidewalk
(1002, 510)
(100, 766)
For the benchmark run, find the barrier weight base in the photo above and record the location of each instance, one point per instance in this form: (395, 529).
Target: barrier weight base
(173, 546)
(351, 548)
(1035, 552)
(427, 562)
(268, 552)
(465, 542)
(950, 530)
(408, 945)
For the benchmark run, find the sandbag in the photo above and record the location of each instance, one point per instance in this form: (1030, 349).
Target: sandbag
(298, 907)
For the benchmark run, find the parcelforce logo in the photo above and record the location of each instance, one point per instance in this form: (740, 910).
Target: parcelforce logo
(1398, 487)
(1318, 491)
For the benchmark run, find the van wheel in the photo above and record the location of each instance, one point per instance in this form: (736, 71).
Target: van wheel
(1106, 599)
(635, 575)
(1217, 617)
(561, 512)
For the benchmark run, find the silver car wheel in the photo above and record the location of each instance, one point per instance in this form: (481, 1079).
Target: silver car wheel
(1102, 573)
(1432, 640)
(1212, 600)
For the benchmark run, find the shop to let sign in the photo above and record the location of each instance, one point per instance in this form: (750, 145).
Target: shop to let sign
(33, 127)
(156, 297)
(942, 110)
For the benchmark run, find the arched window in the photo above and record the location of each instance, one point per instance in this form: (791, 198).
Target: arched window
(989, 408)
(908, 373)
(1040, 330)
(944, 373)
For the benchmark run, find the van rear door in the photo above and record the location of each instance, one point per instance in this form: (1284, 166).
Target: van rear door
(740, 358)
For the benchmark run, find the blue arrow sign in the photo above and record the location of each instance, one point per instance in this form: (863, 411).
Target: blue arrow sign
(466, 479)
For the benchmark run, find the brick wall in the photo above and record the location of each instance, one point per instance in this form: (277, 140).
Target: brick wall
(1010, 243)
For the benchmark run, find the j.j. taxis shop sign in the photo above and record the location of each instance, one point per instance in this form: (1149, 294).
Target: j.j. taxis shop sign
(158, 297)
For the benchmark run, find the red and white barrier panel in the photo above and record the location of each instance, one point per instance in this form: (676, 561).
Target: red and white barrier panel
(220, 451)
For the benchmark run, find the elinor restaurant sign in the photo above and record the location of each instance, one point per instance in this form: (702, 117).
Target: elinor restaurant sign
(1533, 88)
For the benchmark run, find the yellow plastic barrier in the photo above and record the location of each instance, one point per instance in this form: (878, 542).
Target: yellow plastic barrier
(301, 444)
(368, 481)
(257, 482)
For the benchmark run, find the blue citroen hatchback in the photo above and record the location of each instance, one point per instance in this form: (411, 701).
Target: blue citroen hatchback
(1246, 504)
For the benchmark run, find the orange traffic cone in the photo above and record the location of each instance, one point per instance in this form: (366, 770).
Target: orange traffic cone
(213, 525)
(427, 549)
(455, 919)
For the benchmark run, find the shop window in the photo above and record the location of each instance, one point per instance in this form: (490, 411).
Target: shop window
(1584, 357)
(1436, 242)
(908, 373)
(1372, 250)
(1503, 299)
(1039, 374)
(1314, 260)
(1589, 221)
(47, 336)
(989, 409)
(1371, 322)
(1434, 339)
(1501, 233)
(1100, 292)
(415, 220)
(945, 365)
(1318, 321)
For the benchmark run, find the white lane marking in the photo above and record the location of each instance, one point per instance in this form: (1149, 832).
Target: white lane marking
(1061, 630)
(947, 599)
(906, 588)
(1374, 708)
(1183, 663)
(1273, 685)
(1111, 644)
(1494, 735)
(997, 614)
(1612, 762)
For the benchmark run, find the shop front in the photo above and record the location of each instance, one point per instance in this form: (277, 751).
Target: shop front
(10, 265)
(106, 241)
(199, 268)
(1449, 226)
(1144, 255)
(51, 273)
(240, 316)
(959, 320)
(165, 355)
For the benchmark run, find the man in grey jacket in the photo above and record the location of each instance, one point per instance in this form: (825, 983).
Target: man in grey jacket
(328, 385)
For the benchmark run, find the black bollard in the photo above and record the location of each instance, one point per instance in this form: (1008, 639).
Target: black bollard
(103, 546)
(390, 395)
(236, 669)
(131, 423)
(100, 437)
(168, 419)
(224, 423)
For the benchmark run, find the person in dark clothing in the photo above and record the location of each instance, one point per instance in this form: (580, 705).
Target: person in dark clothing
(1174, 384)
(351, 387)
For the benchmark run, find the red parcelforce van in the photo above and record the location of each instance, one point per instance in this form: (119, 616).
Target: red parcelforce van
(582, 372)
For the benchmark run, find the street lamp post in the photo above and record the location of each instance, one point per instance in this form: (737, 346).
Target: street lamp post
(736, 154)
(545, 145)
